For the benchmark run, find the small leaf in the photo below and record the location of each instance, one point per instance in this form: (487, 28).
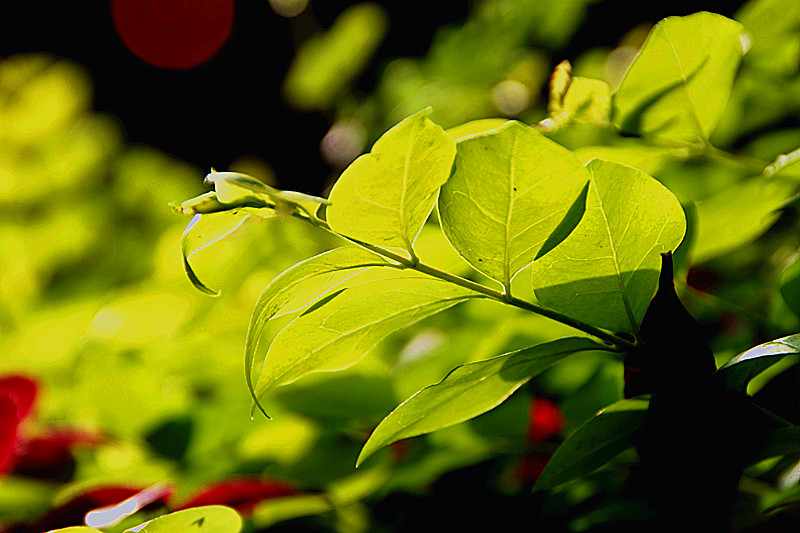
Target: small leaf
(201, 232)
(738, 372)
(385, 196)
(678, 86)
(469, 391)
(605, 272)
(343, 330)
(633, 153)
(510, 189)
(209, 519)
(475, 127)
(281, 289)
(588, 101)
(595, 443)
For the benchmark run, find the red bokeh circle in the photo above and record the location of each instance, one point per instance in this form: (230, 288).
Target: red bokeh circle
(173, 34)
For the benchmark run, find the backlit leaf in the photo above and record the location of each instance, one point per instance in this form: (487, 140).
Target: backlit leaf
(337, 331)
(281, 290)
(510, 189)
(470, 390)
(209, 519)
(605, 271)
(385, 196)
(677, 87)
(595, 443)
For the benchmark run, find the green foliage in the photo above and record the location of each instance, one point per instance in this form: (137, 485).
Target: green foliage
(616, 168)
(214, 518)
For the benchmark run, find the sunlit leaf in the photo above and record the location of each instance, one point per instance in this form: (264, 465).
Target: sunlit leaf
(385, 196)
(283, 287)
(605, 271)
(738, 372)
(327, 62)
(510, 189)
(209, 519)
(737, 215)
(595, 443)
(469, 391)
(340, 329)
(679, 84)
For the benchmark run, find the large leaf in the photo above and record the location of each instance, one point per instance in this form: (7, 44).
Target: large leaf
(510, 189)
(595, 443)
(286, 285)
(738, 372)
(679, 84)
(208, 519)
(340, 329)
(385, 196)
(605, 271)
(470, 390)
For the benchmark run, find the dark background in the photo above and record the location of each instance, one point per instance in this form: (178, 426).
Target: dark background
(231, 105)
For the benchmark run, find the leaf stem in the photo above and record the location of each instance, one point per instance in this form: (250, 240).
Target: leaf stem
(620, 343)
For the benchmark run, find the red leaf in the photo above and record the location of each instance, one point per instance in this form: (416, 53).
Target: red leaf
(545, 420)
(240, 493)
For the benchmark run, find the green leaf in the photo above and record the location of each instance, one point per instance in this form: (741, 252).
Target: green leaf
(595, 443)
(286, 285)
(470, 390)
(344, 328)
(738, 372)
(510, 189)
(605, 272)
(327, 62)
(208, 519)
(196, 237)
(737, 215)
(385, 196)
(678, 86)
(790, 284)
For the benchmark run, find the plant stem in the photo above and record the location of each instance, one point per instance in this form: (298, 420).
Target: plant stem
(620, 343)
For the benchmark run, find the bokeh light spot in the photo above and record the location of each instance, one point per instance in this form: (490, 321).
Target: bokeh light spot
(173, 34)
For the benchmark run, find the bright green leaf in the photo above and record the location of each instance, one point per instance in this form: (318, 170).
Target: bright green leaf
(738, 372)
(605, 271)
(281, 290)
(385, 196)
(510, 189)
(678, 86)
(469, 391)
(595, 443)
(340, 329)
(737, 215)
(208, 519)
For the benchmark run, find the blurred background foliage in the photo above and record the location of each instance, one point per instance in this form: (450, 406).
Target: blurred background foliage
(96, 309)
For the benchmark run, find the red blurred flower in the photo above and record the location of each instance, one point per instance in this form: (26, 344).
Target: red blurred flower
(545, 420)
(240, 493)
(17, 395)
